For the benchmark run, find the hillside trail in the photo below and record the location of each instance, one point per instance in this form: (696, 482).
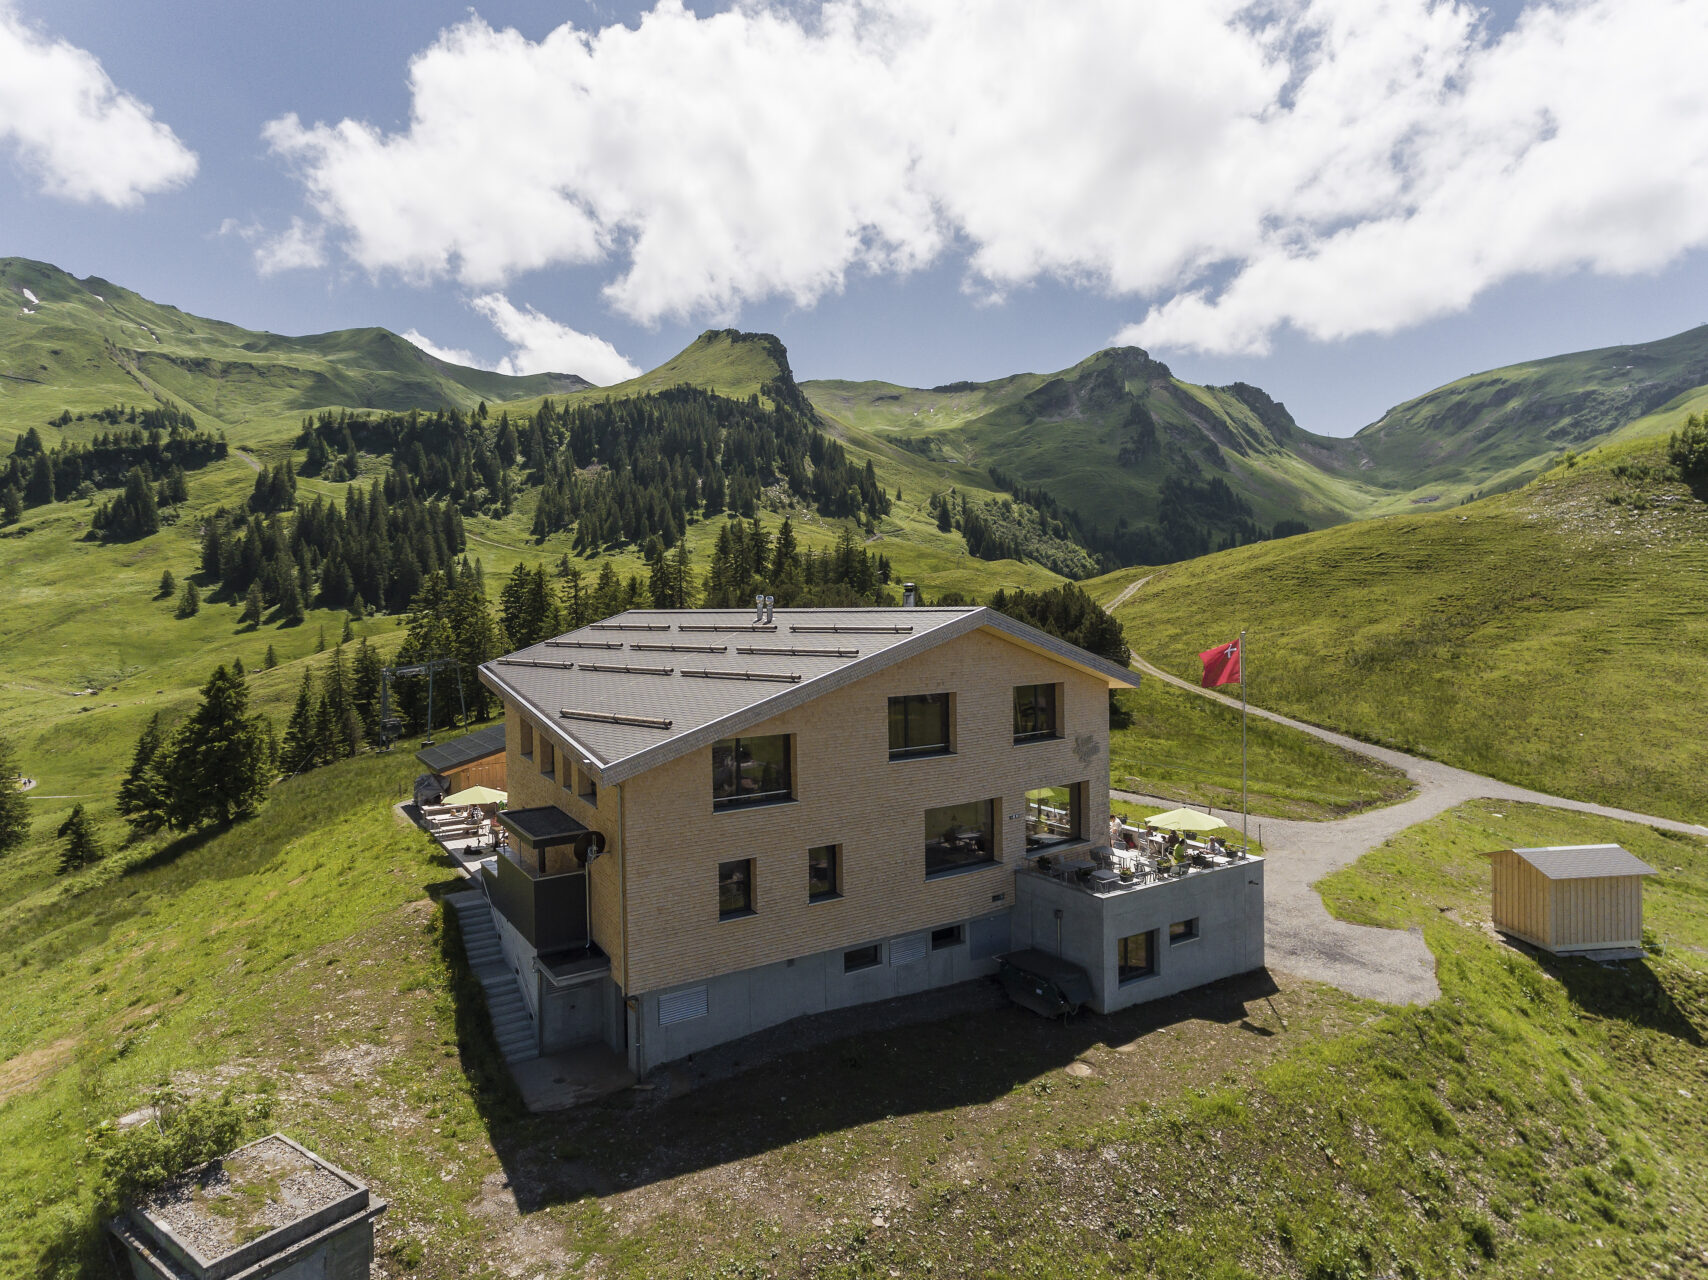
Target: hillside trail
(1301, 937)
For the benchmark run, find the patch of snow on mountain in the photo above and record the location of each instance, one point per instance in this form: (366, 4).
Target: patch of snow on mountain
(32, 297)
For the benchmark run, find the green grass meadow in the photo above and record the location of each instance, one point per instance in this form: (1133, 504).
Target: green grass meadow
(1555, 636)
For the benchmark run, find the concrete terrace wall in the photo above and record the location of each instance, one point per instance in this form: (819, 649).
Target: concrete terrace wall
(1227, 903)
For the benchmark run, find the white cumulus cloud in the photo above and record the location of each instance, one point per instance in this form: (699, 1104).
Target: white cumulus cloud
(1341, 166)
(74, 130)
(298, 246)
(538, 344)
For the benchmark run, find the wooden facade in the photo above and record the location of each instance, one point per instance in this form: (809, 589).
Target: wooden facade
(1566, 913)
(487, 772)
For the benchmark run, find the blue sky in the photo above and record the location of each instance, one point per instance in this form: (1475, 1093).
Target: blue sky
(1347, 206)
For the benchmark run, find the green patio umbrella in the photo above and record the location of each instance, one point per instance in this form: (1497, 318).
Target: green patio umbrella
(1186, 820)
(477, 795)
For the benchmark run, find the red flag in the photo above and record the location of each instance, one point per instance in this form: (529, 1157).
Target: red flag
(1221, 665)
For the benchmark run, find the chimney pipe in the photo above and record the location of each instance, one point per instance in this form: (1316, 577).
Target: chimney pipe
(909, 595)
(770, 608)
(759, 608)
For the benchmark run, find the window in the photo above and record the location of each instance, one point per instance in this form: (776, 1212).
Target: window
(586, 787)
(959, 835)
(548, 759)
(919, 725)
(735, 889)
(1136, 957)
(1054, 815)
(1183, 930)
(750, 771)
(862, 958)
(822, 880)
(1035, 712)
(948, 936)
(527, 738)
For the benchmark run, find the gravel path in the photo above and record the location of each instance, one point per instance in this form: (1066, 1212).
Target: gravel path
(1300, 935)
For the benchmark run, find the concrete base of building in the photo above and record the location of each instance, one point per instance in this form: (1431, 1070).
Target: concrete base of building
(1220, 913)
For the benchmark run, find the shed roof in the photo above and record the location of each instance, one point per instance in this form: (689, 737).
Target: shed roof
(442, 757)
(543, 826)
(1584, 861)
(649, 685)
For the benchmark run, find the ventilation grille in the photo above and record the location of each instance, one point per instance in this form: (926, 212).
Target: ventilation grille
(681, 1006)
(908, 950)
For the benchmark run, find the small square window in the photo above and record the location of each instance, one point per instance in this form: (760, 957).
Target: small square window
(735, 889)
(862, 958)
(1035, 713)
(1183, 930)
(919, 725)
(824, 880)
(750, 771)
(952, 935)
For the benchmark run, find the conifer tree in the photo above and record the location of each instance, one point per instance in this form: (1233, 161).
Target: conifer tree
(190, 603)
(82, 846)
(168, 584)
(271, 660)
(253, 608)
(142, 795)
(215, 764)
(11, 504)
(14, 808)
(365, 681)
(300, 747)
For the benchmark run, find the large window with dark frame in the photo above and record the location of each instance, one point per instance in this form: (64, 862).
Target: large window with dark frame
(1054, 815)
(548, 759)
(750, 771)
(526, 736)
(823, 872)
(735, 889)
(960, 835)
(919, 725)
(1135, 956)
(1035, 707)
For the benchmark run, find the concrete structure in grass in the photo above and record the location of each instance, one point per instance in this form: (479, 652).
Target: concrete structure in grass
(269, 1211)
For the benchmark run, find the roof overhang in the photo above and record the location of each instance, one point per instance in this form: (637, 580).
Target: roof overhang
(543, 827)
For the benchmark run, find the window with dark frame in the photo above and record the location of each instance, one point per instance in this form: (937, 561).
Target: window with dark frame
(1183, 930)
(869, 957)
(1035, 712)
(750, 771)
(960, 835)
(950, 935)
(919, 725)
(1054, 815)
(527, 740)
(735, 889)
(823, 880)
(1135, 956)
(585, 787)
(548, 759)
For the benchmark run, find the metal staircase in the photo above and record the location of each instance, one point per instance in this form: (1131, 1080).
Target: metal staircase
(512, 1023)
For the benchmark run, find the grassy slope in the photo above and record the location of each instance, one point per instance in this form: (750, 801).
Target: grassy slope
(1534, 1118)
(1501, 427)
(91, 343)
(1064, 431)
(1548, 636)
(1187, 748)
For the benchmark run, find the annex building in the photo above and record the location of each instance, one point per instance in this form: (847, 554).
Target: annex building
(723, 819)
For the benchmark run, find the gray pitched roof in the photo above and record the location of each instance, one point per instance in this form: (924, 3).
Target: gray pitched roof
(1585, 861)
(646, 686)
(444, 756)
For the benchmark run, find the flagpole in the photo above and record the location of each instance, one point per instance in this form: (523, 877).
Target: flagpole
(1244, 788)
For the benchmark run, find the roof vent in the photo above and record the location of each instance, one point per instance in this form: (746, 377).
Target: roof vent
(759, 608)
(909, 595)
(770, 608)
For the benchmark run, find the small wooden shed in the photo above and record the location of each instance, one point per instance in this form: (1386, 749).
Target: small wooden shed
(473, 760)
(1571, 899)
